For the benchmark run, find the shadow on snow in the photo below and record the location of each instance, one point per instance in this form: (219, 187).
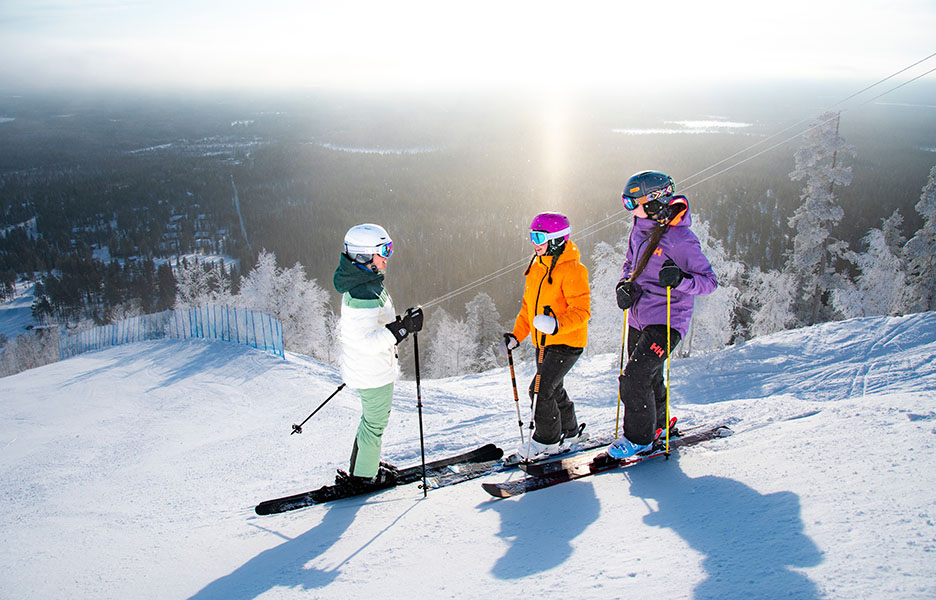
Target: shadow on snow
(749, 542)
(285, 565)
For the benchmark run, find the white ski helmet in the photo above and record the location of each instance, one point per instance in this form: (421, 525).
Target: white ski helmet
(362, 242)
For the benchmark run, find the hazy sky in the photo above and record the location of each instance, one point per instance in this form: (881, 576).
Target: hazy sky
(405, 43)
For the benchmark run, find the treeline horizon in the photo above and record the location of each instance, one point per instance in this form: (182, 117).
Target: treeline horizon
(455, 182)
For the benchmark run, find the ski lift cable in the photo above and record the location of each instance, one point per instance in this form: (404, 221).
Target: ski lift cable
(620, 215)
(797, 124)
(793, 137)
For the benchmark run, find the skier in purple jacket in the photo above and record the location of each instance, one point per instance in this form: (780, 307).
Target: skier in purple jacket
(662, 252)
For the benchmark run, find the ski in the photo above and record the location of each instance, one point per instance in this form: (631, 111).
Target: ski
(460, 472)
(573, 450)
(590, 464)
(562, 463)
(457, 473)
(484, 454)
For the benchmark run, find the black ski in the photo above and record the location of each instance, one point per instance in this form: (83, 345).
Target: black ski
(589, 464)
(568, 452)
(327, 493)
(560, 463)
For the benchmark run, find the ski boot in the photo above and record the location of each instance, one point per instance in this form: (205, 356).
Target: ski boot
(531, 452)
(624, 448)
(572, 438)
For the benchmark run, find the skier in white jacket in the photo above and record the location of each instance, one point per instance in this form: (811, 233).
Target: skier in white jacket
(370, 331)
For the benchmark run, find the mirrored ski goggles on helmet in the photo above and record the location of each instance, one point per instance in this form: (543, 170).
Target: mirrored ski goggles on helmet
(633, 203)
(541, 237)
(385, 250)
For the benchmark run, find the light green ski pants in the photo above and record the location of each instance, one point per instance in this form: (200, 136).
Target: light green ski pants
(375, 414)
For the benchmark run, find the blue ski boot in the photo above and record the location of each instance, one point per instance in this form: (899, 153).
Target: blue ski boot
(624, 448)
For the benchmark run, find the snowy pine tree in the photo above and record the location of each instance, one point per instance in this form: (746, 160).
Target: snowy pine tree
(811, 262)
(714, 324)
(200, 284)
(880, 286)
(483, 322)
(301, 305)
(452, 345)
(770, 294)
(892, 228)
(605, 328)
(920, 252)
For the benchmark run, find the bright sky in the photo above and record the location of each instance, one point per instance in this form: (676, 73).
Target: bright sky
(374, 44)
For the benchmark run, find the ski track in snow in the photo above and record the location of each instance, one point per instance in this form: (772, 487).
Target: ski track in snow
(133, 473)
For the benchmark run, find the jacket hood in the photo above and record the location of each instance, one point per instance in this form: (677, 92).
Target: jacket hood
(571, 252)
(681, 216)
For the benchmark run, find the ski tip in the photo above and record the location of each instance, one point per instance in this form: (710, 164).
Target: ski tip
(264, 509)
(494, 490)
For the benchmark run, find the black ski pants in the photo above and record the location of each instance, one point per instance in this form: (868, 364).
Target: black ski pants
(555, 412)
(643, 390)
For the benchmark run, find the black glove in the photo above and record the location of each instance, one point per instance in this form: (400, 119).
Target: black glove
(413, 319)
(670, 274)
(398, 328)
(626, 292)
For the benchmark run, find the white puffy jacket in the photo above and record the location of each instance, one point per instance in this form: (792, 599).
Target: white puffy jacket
(368, 349)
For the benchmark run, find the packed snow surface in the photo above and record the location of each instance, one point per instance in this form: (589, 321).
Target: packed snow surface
(133, 473)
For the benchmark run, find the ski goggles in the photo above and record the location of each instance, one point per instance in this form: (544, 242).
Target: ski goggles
(633, 203)
(541, 237)
(385, 250)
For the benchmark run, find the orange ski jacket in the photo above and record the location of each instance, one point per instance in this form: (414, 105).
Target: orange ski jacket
(568, 295)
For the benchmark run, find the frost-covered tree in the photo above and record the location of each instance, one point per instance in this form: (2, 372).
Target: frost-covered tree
(879, 288)
(892, 228)
(199, 284)
(769, 293)
(920, 252)
(30, 350)
(714, 323)
(483, 321)
(452, 345)
(605, 328)
(332, 338)
(811, 262)
(301, 305)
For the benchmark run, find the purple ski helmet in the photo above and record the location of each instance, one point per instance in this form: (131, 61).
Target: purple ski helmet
(550, 227)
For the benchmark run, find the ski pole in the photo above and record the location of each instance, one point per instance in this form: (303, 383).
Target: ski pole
(419, 406)
(668, 303)
(298, 428)
(536, 384)
(617, 420)
(513, 381)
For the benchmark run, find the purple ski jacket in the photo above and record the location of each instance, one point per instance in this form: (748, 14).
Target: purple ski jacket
(681, 246)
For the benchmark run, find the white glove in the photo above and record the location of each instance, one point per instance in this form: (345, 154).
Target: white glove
(508, 343)
(546, 324)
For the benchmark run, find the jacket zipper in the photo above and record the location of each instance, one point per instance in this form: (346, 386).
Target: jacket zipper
(539, 290)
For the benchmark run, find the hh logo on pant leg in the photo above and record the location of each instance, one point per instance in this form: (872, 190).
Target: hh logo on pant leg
(656, 348)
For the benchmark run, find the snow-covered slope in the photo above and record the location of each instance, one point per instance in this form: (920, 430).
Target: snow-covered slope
(133, 472)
